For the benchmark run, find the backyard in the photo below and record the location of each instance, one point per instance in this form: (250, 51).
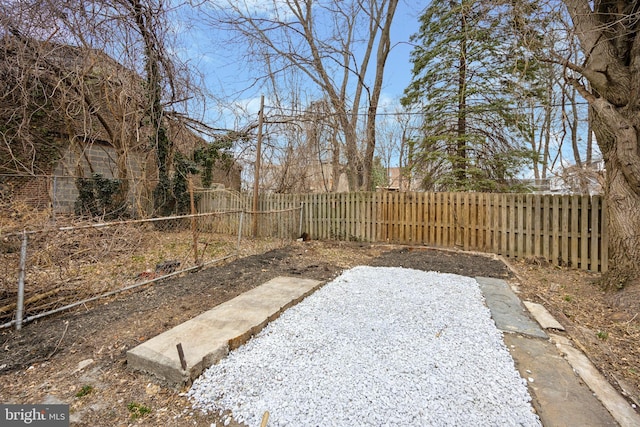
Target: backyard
(79, 356)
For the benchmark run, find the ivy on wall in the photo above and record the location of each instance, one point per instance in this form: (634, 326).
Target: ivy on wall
(97, 198)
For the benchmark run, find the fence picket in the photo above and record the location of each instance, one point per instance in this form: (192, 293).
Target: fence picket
(594, 236)
(583, 232)
(546, 237)
(604, 238)
(575, 217)
(565, 230)
(564, 237)
(519, 208)
(555, 234)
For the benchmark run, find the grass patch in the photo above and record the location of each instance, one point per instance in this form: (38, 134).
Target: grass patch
(85, 390)
(137, 410)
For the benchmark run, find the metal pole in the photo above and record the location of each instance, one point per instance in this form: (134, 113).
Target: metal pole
(23, 263)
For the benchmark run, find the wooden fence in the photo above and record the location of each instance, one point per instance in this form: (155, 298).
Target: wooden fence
(564, 230)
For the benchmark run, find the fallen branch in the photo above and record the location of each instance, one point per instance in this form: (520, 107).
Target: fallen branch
(35, 298)
(66, 326)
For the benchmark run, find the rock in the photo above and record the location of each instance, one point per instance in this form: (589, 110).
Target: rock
(83, 364)
(152, 389)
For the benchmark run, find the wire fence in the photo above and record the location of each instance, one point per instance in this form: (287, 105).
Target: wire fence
(57, 267)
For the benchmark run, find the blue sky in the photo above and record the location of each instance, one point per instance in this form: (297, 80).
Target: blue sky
(228, 77)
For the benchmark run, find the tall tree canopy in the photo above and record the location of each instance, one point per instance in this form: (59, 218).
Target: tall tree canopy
(469, 76)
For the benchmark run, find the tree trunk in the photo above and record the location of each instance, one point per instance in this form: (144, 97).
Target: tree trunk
(610, 39)
(613, 132)
(624, 231)
(353, 169)
(384, 47)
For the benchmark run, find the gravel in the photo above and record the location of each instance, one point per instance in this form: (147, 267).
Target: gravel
(377, 346)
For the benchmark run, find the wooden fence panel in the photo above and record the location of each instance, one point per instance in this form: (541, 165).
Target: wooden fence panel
(565, 230)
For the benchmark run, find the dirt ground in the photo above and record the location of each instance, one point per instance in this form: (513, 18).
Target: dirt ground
(79, 357)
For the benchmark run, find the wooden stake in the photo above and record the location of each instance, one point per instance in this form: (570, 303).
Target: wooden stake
(256, 179)
(183, 362)
(265, 418)
(194, 225)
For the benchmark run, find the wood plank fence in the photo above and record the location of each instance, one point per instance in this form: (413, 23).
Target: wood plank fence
(565, 230)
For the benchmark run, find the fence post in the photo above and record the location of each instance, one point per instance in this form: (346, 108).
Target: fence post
(53, 199)
(301, 212)
(23, 263)
(194, 225)
(240, 231)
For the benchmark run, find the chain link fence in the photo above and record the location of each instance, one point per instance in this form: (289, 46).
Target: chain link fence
(54, 267)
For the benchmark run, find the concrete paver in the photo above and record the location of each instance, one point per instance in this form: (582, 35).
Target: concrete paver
(209, 337)
(559, 397)
(542, 316)
(610, 398)
(568, 391)
(506, 309)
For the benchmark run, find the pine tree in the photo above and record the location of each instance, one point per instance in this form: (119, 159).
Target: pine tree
(466, 59)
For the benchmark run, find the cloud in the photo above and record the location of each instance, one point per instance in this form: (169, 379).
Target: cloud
(271, 9)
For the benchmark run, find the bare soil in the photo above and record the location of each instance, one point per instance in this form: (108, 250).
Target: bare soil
(79, 357)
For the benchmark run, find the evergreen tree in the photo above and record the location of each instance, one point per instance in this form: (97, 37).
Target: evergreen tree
(468, 55)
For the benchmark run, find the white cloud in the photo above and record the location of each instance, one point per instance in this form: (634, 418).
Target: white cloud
(271, 9)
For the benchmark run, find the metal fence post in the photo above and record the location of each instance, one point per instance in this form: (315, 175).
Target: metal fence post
(23, 263)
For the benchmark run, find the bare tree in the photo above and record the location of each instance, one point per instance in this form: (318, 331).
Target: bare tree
(301, 150)
(396, 131)
(340, 47)
(88, 60)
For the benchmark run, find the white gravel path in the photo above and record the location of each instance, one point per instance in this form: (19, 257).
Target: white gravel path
(377, 346)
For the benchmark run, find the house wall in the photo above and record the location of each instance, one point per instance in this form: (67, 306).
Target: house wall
(231, 178)
(57, 190)
(98, 159)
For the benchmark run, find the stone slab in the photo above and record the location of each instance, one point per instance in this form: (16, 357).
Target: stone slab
(542, 316)
(560, 398)
(506, 309)
(621, 410)
(207, 338)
